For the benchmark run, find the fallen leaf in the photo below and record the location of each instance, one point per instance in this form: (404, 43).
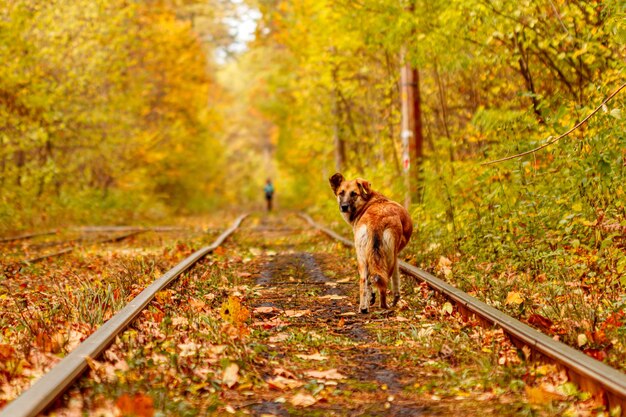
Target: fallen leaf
(582, 339)
(264, 310)
(313, 357)
(599, 336)
(6, 352)
(540, 321)
(597, 354)
(231, 375)
(217, 349)
(274, 322)
(197, 304)
(445, 266)
(138, 405)
(180, 321)
(164, 297)
(281, 383)
(234, 312)
(297, 313)
(284, 372)
(188, 349)
(539, 395)
(334, 297)
(302, 400)
(514, 297)
(278, 338)
(255, 251)
(329, 374)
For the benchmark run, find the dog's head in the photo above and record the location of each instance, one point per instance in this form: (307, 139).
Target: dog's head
(351, 195)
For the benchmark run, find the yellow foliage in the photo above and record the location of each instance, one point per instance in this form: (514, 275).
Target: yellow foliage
(234, 312)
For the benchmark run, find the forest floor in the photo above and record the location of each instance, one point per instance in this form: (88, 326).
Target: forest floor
(268, 326)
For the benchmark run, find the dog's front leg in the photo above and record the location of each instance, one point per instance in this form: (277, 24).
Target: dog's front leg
(364, 289)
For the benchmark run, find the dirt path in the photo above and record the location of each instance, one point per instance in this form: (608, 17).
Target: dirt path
(268, 326)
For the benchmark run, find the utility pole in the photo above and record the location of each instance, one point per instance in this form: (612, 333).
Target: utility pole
(411, 132)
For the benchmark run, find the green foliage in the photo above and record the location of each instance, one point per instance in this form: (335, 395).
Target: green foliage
(102, 105)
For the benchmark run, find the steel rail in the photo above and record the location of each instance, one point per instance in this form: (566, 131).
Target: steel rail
(105, 229)
(101, 229)
(590, 374)
(95, 242)
(50, 386)
(26, 236)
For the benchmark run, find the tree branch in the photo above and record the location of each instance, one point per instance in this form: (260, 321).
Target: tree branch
(551, 141)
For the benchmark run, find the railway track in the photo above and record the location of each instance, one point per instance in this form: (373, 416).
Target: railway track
(117, 238)
(26, 236)
(120, 233)
(590, 374)
(45, 390)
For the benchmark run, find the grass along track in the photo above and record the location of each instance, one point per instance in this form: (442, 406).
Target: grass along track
(48, 308)
(267, 326)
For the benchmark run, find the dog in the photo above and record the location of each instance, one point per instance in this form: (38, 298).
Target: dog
(382, 228)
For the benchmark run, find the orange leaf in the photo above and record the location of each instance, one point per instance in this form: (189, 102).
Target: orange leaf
(138, 405)
(596, 354)
(6, 352)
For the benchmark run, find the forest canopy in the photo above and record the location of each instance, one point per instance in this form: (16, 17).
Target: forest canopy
(124, 110)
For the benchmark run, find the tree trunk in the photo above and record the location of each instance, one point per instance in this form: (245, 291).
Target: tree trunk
(340, 145)
(412, 134)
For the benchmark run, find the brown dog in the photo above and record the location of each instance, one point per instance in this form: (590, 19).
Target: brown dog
(382, 228)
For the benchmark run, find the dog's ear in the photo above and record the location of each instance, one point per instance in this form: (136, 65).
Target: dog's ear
(335, 182)
(364, 187)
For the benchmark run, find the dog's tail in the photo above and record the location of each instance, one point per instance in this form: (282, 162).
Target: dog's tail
(378, 262)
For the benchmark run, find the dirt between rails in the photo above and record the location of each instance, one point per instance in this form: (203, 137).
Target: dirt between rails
(322, 358)
(359, 361)
(268, 326)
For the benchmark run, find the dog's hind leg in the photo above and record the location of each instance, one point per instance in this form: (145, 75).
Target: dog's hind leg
(381, 284)
(395, 283)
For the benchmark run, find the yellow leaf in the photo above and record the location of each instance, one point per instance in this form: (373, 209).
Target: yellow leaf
(515, 298)
(234, 312)
(538, 395)
(313, 357)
